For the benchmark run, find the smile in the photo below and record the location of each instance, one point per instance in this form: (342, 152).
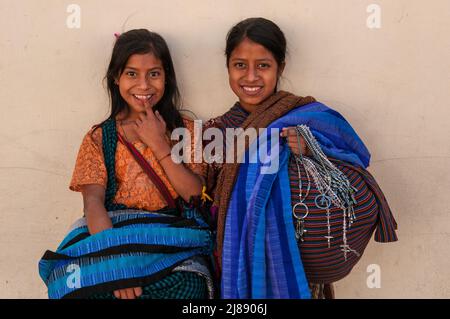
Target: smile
(143, 97)
(252, 90)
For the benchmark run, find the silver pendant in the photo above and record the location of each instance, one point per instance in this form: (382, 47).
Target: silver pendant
(323, 201)
(328, 240)
(300, 229)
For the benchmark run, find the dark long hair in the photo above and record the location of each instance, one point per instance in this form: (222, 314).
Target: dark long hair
(142, 41)
(261, 31)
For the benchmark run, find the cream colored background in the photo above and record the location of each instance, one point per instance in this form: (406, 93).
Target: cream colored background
(391, 83)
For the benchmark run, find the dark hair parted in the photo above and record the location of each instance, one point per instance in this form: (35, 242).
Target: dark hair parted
(142, 41)
(261, 31)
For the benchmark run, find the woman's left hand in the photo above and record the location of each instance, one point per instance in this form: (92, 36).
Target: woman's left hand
(290, 133)
(151, 129)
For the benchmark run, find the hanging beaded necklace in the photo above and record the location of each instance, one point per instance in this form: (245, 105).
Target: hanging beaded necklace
(333, 186)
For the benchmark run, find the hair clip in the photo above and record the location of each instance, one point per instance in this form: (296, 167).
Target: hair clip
(117, 35)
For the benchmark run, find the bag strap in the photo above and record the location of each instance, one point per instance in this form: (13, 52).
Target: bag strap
(149, 171)
(109, 141)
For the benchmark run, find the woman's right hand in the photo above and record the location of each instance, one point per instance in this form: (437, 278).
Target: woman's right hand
(129, 293)
(291, 138)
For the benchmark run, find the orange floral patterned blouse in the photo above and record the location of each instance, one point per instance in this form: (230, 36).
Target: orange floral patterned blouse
(134, 188)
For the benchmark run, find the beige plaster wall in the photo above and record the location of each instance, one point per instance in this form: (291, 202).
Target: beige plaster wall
(391, 83)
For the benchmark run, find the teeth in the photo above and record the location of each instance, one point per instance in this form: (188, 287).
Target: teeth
(142, 97)
(251, 89)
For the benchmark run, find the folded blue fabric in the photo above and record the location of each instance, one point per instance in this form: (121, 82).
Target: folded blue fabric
(140, 247)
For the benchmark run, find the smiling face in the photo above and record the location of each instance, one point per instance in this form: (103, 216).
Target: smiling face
(253, 73)
(142, 81)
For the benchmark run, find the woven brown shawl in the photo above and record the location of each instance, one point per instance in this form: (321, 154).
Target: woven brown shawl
(271, 109)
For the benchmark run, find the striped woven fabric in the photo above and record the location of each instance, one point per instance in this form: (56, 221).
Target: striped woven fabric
(260, 257)
(323, 264)
(326, 265)
(177, 285)
(140, 250)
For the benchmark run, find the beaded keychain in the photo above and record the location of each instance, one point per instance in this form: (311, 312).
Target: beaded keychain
(333, 186)
(300, 221)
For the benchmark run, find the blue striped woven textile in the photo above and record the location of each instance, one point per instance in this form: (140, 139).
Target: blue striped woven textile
(140, 249)
(260, 257)
(335, 135)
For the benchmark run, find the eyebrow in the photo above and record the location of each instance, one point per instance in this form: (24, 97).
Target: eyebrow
(258, 60)
(136, 69)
